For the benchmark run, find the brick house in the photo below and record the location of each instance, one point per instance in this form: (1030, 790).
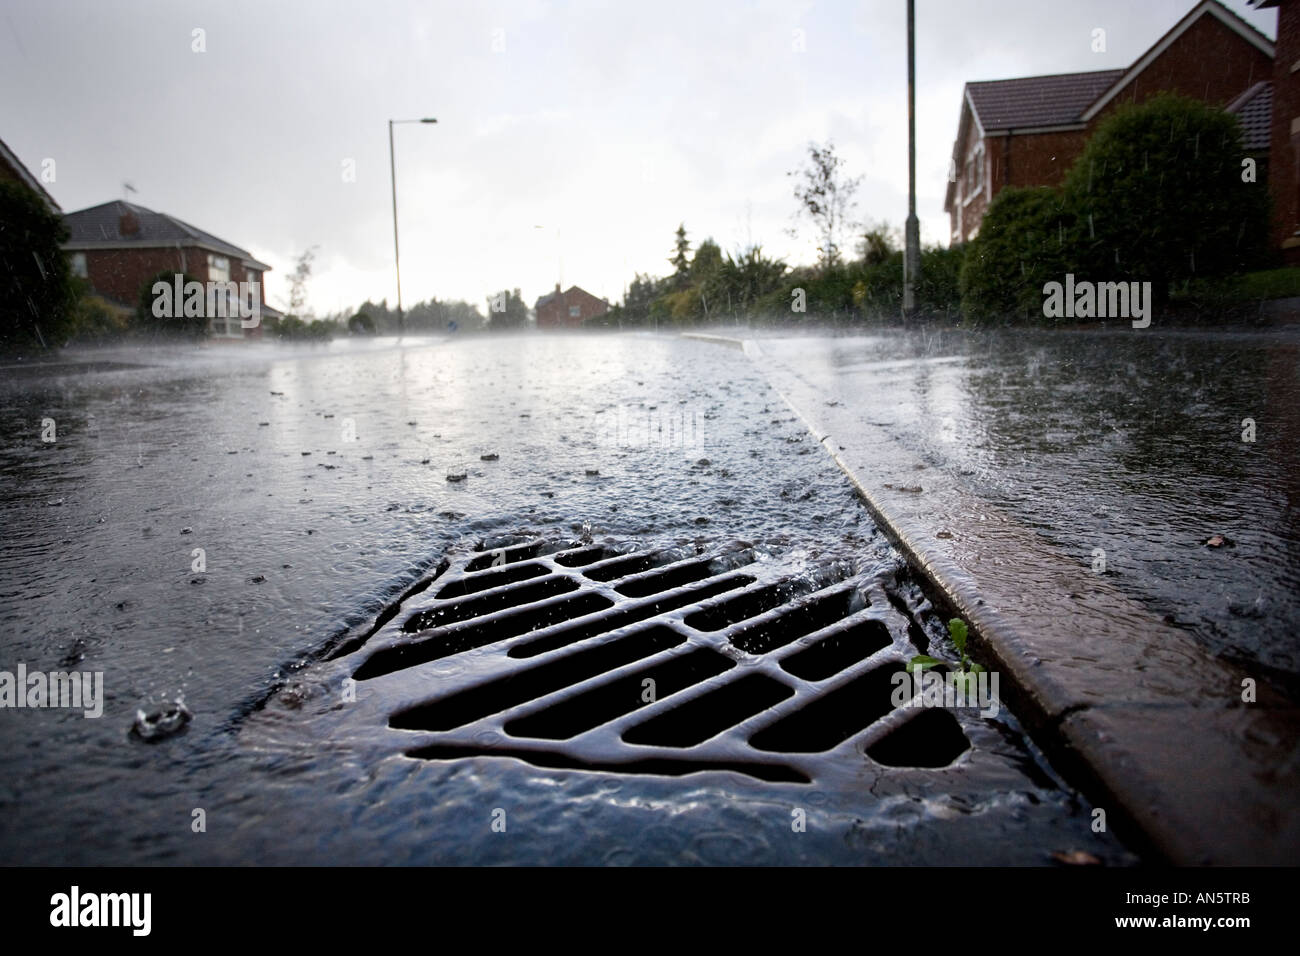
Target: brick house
(119, 246)
(1028, 131)
(12, 170)
(1284, 130)
(568, 309)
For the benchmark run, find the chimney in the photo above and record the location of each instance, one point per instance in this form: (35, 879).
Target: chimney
(557, 288)
(128, 224)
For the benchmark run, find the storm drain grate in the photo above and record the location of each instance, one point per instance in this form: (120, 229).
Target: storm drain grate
(665, 661)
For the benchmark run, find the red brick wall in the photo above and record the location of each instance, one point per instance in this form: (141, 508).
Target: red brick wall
(1024, 159)
(1037, 159)
(1284, 147)
(1209, 62)
(120, 274)
(8, 174)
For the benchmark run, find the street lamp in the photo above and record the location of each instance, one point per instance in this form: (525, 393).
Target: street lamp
(397, 258)
(912, 232)
(559, 257)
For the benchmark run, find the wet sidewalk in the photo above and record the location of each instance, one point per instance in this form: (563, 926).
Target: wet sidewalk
(1188, 741)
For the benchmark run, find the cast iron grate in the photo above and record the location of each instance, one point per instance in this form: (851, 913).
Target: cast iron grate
(663, 661)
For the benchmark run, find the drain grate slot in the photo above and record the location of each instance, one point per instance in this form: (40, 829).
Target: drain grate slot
(612, 700)
(931, 739)
(666, 580)
(793, 623)
(831, 719)
(444, 644)
(633, 564)
(458, 611)
(710, 714)
(744, 606)
(626, 616)
(535, 683)
(583, 556)
(472, 584)
(509, 555)
(659, 766)
(841, 650)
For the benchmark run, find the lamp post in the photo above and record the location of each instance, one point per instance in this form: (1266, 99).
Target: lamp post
(397, 257)
(912, 233)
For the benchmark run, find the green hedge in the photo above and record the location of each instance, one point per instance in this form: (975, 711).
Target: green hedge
(36, 290)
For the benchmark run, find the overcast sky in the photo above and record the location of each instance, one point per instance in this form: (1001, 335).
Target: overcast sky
(603, 124)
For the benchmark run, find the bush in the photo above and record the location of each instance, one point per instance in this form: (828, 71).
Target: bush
(878, 292)
(95, 319)
(192, 327)
(938, 288)
(36, 291)
(361, 324)
(293, 329)
(1023, 243)
(1157, 195)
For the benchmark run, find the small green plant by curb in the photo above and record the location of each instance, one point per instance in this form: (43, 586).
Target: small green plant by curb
(957, 631)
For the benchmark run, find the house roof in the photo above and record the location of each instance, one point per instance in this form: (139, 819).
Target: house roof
(1033, 101)
(565, 294)
(1072, 99)
(1205, 8)
(1254, 110)
(9, 159)
(99, 227)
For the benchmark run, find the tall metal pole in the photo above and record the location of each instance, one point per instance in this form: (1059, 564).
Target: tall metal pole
(397, 252)
(397, 256)
(912, 252)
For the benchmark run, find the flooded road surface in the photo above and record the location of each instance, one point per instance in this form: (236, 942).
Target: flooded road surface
(1127, 451)
(197, 524)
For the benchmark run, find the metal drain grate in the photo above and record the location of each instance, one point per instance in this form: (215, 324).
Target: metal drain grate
(665, 661)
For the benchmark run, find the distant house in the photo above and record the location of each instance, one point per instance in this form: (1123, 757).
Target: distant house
(12, 169)
(568, 309)
(119, 246)
(1028, 131)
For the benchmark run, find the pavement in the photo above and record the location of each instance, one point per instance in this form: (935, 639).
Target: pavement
(1190, 759)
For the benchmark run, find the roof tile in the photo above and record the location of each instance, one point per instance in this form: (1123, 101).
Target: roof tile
(1031, 101)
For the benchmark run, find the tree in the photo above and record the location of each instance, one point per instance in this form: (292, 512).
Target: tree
(825, 197)
(36, 291)
(1157, 195)
(876, 245)
(680, 261)
(640, 294)
(748, 277)
(361, 324)
(706, 276)
(507, 310)
(298, 282)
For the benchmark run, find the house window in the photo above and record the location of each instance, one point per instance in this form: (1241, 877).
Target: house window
(575, 311)
(218, 268)
(975, 170)
(79, 264)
